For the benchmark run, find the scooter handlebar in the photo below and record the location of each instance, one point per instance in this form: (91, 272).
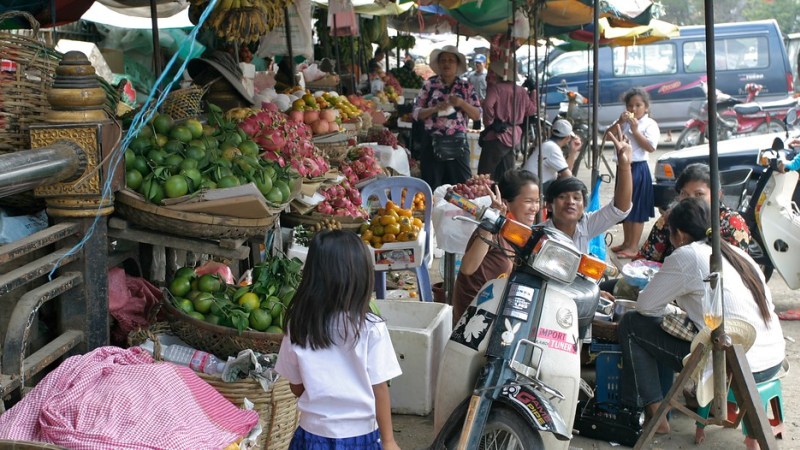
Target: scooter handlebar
(490, 219)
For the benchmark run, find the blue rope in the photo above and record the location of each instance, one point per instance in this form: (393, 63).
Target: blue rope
(140, 120)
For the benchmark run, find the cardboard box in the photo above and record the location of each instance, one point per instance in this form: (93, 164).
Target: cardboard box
(419, 332)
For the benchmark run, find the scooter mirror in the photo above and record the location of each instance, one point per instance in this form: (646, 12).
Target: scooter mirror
(791, 117)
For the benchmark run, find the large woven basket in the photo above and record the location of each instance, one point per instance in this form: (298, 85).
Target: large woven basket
(184, 103)
(294, 219)
(136, 209)
(217, 339)
(23, 92)
(276, 407)
(334, 152)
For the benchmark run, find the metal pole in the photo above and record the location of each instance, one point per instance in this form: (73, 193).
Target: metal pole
(335, 35)
(26, 169)
(595, 93)
(156, 45)
(288, 28)
(353, 58)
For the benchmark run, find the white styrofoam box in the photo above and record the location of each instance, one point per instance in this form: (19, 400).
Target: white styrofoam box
(474, 151)
(298, 251)
(419, 332)
(400, 255)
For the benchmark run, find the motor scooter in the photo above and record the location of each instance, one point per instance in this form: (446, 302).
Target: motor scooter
(773, 216)
(734, 117)
(510, 373)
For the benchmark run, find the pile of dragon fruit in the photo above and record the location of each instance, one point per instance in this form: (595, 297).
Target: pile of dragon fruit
(360, 164)
(285, 140)
(342, 200)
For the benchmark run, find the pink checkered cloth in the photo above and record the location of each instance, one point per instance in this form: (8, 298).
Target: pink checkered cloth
(112, 398)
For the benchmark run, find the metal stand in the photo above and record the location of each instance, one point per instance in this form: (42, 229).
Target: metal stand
(744, 389)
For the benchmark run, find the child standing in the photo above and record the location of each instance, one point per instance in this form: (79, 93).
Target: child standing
(643, 133)
(336, 355)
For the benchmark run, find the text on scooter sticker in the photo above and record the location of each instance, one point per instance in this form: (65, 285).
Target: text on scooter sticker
(518, 304)
(556, 340)
(538, 411)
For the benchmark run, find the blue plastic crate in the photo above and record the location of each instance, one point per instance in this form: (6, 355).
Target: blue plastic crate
(609, 370)
(603, 346)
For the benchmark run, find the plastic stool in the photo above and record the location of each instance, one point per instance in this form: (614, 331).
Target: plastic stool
(771, 395)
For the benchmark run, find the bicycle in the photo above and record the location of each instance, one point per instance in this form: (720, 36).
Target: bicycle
(578, 116)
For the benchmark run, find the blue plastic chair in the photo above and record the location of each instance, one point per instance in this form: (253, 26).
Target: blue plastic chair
(391, 188)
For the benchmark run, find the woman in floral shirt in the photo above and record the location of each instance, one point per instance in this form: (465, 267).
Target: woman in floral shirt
(445, 104)
(695, 181)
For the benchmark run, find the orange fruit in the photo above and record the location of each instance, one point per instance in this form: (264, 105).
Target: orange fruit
(366, 235)
(387, 220)
(389, 237)
(250, 302)
(390, 205)
(392, 228)
(417, 223)
(404, 212)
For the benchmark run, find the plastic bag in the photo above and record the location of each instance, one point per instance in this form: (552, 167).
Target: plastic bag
(13, 228)
(452, 235)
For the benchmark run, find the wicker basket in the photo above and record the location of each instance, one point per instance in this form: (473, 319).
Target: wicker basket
(276, 408)
(293, 219)
(334, 152)
(605, 330)
(134, 208)
(184, 103)
(24, 91)
(217, 339)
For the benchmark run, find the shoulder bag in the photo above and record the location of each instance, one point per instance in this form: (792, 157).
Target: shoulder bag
(447, 147)
(679, 325)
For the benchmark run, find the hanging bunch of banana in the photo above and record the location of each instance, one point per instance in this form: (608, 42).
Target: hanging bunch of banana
(241, 21)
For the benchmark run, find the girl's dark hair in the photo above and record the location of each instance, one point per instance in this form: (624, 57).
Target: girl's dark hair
(512, 181)
(691, 216)
(694, 172)
(632, 92)
(332, 301)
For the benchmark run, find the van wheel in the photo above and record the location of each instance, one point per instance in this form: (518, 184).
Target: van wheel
(505, 429)
(690, 137)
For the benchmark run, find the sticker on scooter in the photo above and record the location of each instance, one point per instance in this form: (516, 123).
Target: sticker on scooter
(486, 294)
(529, 402)
(519, 301)
(507, 338)
(473, 327)
(557, 340)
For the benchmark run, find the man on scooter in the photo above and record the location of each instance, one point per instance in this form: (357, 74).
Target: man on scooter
(567, 197)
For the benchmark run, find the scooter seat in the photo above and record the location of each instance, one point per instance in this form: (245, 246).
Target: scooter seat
(747, 108)
(785, 103)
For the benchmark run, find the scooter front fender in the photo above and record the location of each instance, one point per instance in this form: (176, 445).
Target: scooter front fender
(536, 409)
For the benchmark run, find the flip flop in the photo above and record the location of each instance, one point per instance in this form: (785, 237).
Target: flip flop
(617, 248)
(626, 255)
(792, 314)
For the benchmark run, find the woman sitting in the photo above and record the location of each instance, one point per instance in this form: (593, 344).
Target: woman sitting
(695, 181)
(645, 345)
(516, 195)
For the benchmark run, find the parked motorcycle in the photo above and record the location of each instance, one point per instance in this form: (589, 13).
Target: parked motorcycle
(510, 373)
(735, 118)
(773, 216)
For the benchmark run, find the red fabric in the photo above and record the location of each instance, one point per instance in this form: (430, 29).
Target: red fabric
(130, 300)
(113, 398)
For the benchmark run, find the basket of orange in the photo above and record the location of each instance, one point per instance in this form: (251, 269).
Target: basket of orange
(396, 238)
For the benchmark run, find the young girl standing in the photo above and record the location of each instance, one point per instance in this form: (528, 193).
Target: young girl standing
(336, 355)
(643, 133)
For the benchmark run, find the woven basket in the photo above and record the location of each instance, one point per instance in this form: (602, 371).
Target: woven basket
(134, 208)
(605, 330)
(217, 339)
(24, 92)
(276, 407)
(294, 219)
(334, 152)
(184, 103)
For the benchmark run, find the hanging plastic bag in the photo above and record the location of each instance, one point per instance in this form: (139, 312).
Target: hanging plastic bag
(13, 228)
(597, 245)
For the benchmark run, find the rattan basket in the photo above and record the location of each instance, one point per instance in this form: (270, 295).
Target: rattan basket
(136, 209)
(334, 152)
(276, 407)
(217, 339)
(294, 219)
(185, 103)
(23, 92)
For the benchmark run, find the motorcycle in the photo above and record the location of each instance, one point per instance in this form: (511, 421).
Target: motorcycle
(773, 216)
(510, 372)
(737, 118)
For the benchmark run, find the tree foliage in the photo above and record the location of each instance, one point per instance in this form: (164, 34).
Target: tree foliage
(692, 12)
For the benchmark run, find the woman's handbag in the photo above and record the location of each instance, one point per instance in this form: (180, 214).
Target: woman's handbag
(450, 146)
(679, 325)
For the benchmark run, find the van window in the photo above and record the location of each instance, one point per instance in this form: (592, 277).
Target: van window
(571, 62)
(730, 54)
(651, 59)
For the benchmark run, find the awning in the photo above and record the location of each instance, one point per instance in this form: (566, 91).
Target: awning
(100, 13)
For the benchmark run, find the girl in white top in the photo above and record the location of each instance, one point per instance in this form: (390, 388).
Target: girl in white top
(746, 296)
(336, 355)
(643, 133)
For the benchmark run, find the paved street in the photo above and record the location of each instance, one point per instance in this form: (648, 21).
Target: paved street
(415, 432)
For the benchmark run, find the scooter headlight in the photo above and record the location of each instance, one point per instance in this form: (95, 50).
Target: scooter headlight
(556, 260)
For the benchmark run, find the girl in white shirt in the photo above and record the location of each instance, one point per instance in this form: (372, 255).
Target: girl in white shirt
(645, 345)
(643, 133)
(336, 355)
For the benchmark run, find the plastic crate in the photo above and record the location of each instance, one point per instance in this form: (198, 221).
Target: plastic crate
(609, 370)
(603, 346)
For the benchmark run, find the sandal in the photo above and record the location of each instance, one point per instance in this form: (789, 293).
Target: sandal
(627, 255)
(617, 248)
(792, 314)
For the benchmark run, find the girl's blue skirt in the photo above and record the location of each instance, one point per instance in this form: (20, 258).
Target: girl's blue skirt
(643, 199)
(303, 440)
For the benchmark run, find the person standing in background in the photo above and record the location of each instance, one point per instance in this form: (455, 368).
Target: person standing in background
(477, 78)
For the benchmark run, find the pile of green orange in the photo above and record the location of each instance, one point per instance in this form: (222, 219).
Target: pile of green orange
(170, 159)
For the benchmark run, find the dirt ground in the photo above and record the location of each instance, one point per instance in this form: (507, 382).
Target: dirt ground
(416, 432)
